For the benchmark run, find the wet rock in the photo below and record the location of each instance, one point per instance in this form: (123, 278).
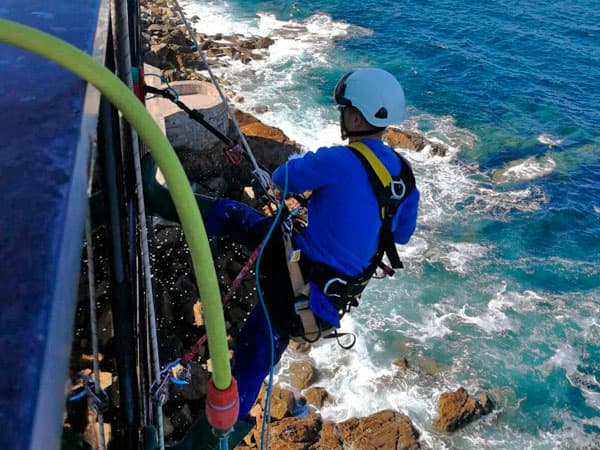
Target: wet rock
(316, 396)
(411, 140)
(524, 170)
(329, 439)
(385, 429)
(299, 347)
(302, 374)
(264, 42)
(401, 362)
(457, 409)
(261, 109)
(189, 60)
(295, 432)
(215, 51)
(178, 37)
(209, 43)
(282, 403)
(161, 49)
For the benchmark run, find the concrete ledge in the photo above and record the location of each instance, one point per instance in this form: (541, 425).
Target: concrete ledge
(175, 123)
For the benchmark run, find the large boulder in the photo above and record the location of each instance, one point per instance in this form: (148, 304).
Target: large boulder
(456, 409)
(383, 430)
(295, 432)
(316, 396)
(302, 374)
(282, 402)
(329, 439)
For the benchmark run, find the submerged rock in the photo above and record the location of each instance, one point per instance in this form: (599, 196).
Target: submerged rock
(524, 170)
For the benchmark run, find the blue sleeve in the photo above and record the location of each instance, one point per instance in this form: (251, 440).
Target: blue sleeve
(312, 171)
(405, 220)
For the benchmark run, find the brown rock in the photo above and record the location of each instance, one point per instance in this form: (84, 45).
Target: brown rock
(249, 44)
(383, 430)
(265, 131)
(295, 432)
(230, 51)
(412, 140)
(264, 42)
(161, 49)
(401, 362)
(154, 28)
(329, 439)
(456, 409)
(177, 37)
(207, 44)
(302, 374)
(282, 403)
(403, 139)
(316, 396)
(299, 347)
(215, 51)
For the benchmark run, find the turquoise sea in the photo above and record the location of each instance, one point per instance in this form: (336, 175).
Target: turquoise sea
(501, 290)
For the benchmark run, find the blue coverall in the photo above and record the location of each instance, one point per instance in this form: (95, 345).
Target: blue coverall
(342, 232)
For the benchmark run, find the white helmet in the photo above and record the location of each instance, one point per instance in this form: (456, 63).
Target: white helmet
(377, 94)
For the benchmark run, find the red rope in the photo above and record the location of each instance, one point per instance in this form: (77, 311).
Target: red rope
(191, 353)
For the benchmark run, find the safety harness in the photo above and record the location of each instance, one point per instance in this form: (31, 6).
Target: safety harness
(344, 291)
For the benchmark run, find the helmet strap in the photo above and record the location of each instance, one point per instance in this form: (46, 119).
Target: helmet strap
(347, 133)
(363, 132)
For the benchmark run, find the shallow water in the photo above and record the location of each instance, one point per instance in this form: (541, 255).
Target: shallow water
(501, 290)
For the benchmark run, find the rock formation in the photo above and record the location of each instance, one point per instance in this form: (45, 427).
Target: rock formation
(457, 409)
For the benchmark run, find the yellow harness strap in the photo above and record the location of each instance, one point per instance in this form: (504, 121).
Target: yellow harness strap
(380, 170)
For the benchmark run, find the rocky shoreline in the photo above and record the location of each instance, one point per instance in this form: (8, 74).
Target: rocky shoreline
(295, 419)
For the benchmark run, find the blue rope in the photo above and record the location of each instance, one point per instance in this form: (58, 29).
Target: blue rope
(267, 411)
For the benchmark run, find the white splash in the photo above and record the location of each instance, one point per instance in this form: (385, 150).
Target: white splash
(549, 140)
(525, 170)
(459, 256)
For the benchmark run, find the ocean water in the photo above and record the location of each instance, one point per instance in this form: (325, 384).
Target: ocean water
(501, 287)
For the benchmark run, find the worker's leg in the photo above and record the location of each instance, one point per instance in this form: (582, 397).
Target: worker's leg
(158, 199)
(252, 357)
(222, 217)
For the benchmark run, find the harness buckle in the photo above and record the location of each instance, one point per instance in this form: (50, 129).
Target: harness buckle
(330, 283)
(395, 184)
(301, 304)
(234, 154)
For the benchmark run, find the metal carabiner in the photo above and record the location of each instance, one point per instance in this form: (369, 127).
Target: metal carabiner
(395, 195)
(158, 389)
(330, 282)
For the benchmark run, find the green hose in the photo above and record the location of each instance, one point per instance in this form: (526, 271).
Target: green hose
(134, 111)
